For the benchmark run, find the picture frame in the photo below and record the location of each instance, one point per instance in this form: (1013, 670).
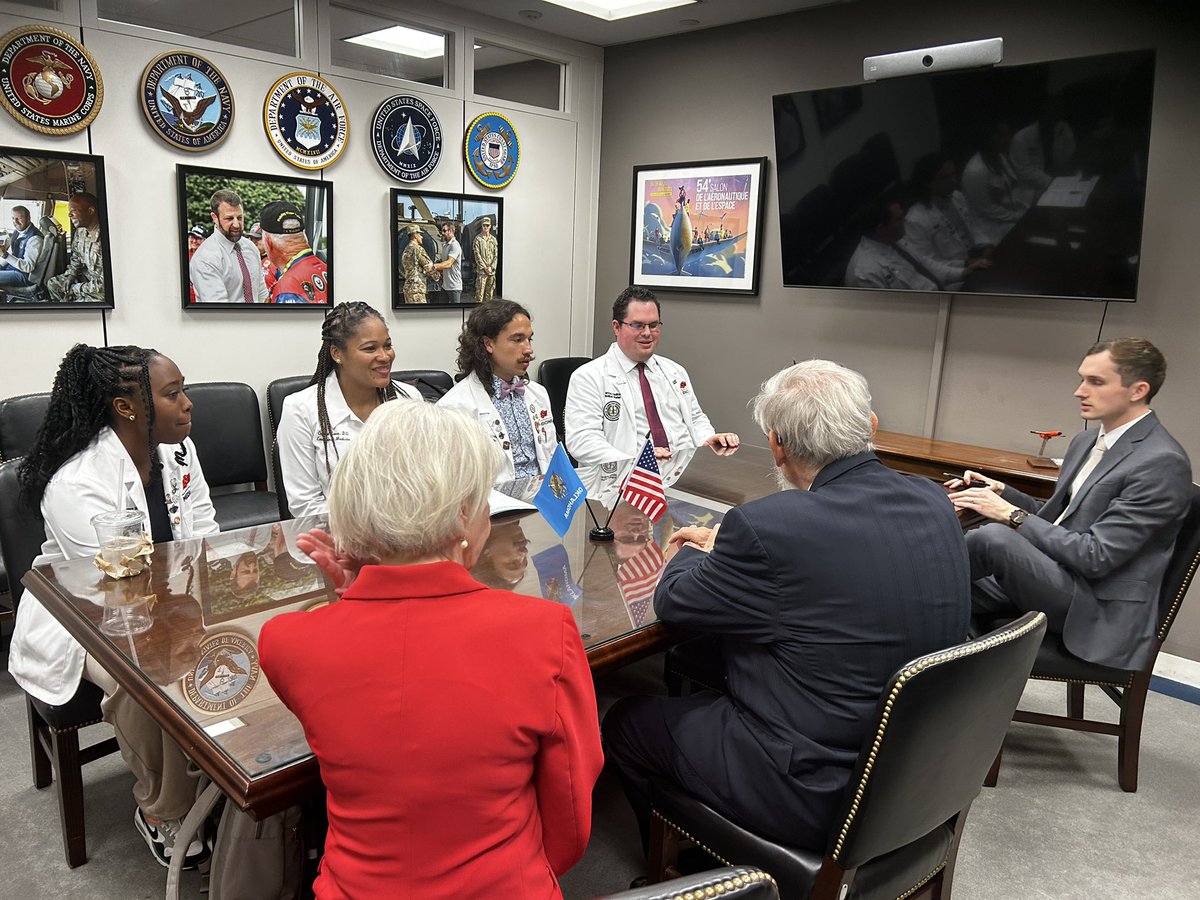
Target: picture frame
(63, 266)
(295, 254)
(254, 570)
(428, 210)
(724, 208)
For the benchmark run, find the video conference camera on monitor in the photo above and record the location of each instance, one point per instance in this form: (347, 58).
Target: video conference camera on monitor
(971, 54)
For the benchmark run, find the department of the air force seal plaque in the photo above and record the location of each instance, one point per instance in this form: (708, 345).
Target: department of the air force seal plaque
(407, 138)
(306, 120)
(48, 80)
(492, 150)
(187, 100)
(224, 675)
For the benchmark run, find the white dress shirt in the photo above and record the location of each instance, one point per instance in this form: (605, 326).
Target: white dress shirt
(216, 275)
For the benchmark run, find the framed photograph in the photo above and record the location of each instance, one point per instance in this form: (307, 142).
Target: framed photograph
(696, 225)
(54, 244)
(446, 249)
(250, 241)
(254, 570)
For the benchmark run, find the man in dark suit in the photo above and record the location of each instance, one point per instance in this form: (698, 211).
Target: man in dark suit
(1091, 557)
(819, 595)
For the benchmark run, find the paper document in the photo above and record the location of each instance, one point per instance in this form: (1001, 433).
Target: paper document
(1068, 192)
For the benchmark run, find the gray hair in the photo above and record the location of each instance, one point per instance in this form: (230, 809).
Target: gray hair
(819, 411)
(404, 483)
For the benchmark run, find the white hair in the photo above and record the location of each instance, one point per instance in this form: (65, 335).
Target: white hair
(404, 484)
(819, 411)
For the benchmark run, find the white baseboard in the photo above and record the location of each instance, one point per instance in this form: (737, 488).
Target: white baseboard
(1176, 668)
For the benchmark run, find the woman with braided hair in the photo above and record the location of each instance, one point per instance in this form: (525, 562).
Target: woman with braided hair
(115, 437)
(317, 424)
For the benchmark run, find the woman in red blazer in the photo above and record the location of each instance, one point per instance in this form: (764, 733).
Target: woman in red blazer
(455, 725)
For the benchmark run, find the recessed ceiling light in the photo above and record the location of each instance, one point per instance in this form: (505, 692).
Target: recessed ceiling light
(611, 10)
(403, 40)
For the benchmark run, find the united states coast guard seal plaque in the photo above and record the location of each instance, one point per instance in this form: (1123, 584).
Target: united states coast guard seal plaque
(306, 120)
(407, 138)
(225, 673)
(492, 150)
(187, 100)
(48, 81)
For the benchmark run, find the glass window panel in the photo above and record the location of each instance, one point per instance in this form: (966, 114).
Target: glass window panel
(37, 4)
(266, 25)
(370, 43)
(511, 75)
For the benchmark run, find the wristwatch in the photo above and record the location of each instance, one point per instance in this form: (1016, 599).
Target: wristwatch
(1017, 516)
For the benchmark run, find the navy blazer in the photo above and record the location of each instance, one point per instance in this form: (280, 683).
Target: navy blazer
(820, 596)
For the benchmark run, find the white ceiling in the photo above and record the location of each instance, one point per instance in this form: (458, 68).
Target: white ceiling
(590, 30)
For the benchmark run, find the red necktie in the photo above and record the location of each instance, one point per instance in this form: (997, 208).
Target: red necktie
(658, 434)
(246, 294)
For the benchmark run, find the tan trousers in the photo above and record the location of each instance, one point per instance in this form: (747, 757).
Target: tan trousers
(163, 787)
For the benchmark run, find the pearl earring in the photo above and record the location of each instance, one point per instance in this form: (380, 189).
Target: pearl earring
(464, 543)
(131, 417)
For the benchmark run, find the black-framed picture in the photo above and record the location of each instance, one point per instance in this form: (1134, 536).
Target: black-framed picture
(54, 238)
(696, 225)
(249, 241)
(428, 229)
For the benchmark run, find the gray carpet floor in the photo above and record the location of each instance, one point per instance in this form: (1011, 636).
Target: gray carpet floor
(1057, 826)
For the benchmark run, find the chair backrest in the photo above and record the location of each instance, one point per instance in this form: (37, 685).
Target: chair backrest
(555, 375)
(1184, 560)
(227, 432)
(52, 257)
(432, 383)
(940, 723)
(21, 529)
(277, 391)
(20, 419)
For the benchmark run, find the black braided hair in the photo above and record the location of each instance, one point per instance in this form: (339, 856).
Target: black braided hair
(339, 326)
(88, 380)
(486, 320)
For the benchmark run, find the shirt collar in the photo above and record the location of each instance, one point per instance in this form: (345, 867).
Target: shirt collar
(1111, 437)
(628, 365)
(427, 580)
(335, 403)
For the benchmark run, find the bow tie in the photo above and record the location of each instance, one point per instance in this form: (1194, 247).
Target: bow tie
(515, 387)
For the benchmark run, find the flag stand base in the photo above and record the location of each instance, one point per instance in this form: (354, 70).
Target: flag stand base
(603, 535)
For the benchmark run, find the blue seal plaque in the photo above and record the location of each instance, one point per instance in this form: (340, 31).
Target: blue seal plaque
(306, 120)
(186, 100)
(492, 150)
(407, 138)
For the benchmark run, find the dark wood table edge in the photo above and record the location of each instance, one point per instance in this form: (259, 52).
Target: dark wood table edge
(261, 797)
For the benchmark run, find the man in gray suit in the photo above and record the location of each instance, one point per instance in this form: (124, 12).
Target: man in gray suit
(1091, 557)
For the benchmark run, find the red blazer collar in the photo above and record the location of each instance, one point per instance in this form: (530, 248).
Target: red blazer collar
(439, 579)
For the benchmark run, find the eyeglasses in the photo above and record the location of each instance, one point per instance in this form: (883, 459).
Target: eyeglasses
(638, 327)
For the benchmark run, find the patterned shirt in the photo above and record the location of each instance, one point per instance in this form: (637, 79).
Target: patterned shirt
(515, 416)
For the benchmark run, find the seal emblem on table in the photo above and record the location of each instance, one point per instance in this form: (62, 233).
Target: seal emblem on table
(48, 80)
(186, 100)
(306, 120)
(224, 675)
(407, 138)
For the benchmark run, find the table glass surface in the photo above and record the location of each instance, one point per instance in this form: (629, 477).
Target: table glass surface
(211, 597)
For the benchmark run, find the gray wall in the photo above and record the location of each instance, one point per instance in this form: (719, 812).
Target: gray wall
(1009, 364)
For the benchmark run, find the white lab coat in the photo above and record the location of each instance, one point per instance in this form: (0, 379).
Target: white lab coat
(470, 394)
(878, 265)
(301, 450)
(941, 235)
(44, 659)
(603, 402)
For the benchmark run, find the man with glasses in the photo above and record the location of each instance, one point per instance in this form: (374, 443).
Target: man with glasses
(614, 401)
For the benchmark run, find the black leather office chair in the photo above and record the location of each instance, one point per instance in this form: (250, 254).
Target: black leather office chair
(937, 728)
(729, 883)
(432, 383)
(53, 730)
(555, 375)
(277, 392)
(1126, 689)
(20, 419)
(227, 432)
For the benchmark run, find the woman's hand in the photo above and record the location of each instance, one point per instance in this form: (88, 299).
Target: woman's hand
(340, 568)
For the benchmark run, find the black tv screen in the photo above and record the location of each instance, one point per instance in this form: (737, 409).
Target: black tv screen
(1022, 180)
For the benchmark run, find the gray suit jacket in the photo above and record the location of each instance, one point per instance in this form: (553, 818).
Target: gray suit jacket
(1116, 539)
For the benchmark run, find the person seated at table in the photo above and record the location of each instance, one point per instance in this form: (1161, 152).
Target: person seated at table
(455, 724)
(938, 225)
(818, 595)
(317, 424)
(494, 353)
(115, 437)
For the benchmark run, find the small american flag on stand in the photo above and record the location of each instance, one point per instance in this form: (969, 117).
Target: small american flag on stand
(637, 578)
(644, 487)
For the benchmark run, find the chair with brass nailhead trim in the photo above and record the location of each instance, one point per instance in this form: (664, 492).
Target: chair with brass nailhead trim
(730, 883)
(938, 726)
(1126, 689)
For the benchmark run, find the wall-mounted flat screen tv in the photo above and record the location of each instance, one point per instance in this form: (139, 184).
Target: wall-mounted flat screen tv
(1022, 180)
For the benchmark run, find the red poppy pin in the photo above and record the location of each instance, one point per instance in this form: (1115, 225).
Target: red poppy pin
(544, 413)
(682, 385)
(186, 478)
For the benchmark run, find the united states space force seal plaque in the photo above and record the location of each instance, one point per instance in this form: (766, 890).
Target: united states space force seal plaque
(492, 150)
(48, 81)
(225, 673)
(187, 100)
(306, 120)
(407, 138)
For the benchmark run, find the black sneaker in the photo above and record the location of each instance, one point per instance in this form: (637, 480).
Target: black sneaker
(160, 837)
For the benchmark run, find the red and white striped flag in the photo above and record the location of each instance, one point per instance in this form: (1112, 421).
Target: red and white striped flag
(644, 486)
(637, 578)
